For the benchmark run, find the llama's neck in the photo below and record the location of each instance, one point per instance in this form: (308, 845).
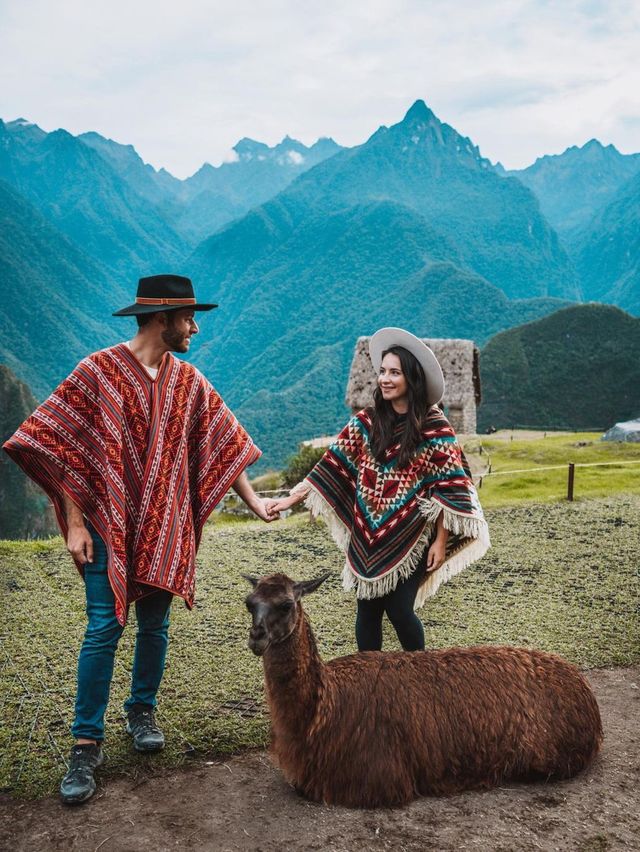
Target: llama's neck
(293, 677)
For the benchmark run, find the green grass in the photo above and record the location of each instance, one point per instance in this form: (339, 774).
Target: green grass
(560, 577)
(549, 486)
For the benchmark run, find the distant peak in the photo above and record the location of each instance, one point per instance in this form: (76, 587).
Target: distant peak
(248, 149)
(419, 111)
(326, 143)
(205, 168)
(61, 135)
(288, 143)
(593, 149)
(249, 146)
(21, 124)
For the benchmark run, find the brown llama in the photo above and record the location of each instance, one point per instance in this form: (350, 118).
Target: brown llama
(379, 728)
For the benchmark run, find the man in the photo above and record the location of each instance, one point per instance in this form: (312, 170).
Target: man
(135, 449)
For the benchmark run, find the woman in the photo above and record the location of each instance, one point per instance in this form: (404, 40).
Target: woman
(397, 494)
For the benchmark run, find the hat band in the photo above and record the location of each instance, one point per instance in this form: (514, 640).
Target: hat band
(141, 300)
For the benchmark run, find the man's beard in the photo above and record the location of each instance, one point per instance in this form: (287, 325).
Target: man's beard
(174, 339)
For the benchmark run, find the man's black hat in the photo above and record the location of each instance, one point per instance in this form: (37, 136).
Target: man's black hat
(163, 293)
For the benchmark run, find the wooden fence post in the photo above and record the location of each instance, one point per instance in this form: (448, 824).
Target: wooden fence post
(572, 469)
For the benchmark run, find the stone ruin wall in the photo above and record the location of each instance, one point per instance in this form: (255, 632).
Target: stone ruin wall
(459, 360)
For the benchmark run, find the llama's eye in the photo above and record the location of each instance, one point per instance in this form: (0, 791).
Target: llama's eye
(285, 605)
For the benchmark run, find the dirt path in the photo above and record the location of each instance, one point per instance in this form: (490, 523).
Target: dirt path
(243, 804)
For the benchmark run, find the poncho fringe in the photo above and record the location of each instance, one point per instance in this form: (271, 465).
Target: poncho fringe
(474, 528)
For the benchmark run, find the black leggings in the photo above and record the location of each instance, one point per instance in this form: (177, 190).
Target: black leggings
(398, 605)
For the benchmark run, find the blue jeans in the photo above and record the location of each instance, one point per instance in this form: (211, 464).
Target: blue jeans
(95, 664)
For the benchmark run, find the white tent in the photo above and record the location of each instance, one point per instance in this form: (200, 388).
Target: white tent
(627, 431)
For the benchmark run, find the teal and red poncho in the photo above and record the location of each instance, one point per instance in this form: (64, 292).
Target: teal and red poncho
(384, 516)
(146, 460)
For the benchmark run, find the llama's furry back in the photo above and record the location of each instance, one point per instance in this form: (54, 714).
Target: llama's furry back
(390, 726)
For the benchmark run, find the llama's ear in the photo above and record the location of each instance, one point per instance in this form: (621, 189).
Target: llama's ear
(253, 580)
(305, 587)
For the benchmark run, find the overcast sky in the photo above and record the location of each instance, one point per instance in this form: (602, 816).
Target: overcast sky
(184, 81)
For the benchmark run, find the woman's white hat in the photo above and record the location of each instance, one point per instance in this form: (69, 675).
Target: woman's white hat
(385, 338)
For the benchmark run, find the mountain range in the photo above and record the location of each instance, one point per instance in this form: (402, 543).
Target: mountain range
(412, 228)
(53, 296)
(493, 226)
(215, 195)
(305, 249)
(79, 192)
(84, 217)
(608, 250)
(574, 186)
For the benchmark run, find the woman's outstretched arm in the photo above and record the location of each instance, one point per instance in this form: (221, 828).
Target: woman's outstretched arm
(296, 495)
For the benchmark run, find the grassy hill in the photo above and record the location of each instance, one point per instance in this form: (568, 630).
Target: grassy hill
(527, 470)
(578, 368)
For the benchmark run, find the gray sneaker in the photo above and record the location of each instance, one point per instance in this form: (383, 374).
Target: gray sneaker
(78, 784)
(142, 726)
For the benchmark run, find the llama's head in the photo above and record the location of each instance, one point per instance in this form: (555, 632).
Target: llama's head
(275, 608)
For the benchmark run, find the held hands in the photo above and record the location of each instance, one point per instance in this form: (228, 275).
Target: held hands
(263, 508)
(267, 510)
(80, 544)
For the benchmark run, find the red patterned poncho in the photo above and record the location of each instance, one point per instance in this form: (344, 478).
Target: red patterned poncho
(145, 460)
(384, 516)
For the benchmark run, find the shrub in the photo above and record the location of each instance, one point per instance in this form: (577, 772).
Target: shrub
(299, 465)
(269, 481)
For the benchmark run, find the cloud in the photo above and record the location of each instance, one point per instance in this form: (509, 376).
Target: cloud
(488, 92)
(230, 156)
(630, 122)
(184, 83)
